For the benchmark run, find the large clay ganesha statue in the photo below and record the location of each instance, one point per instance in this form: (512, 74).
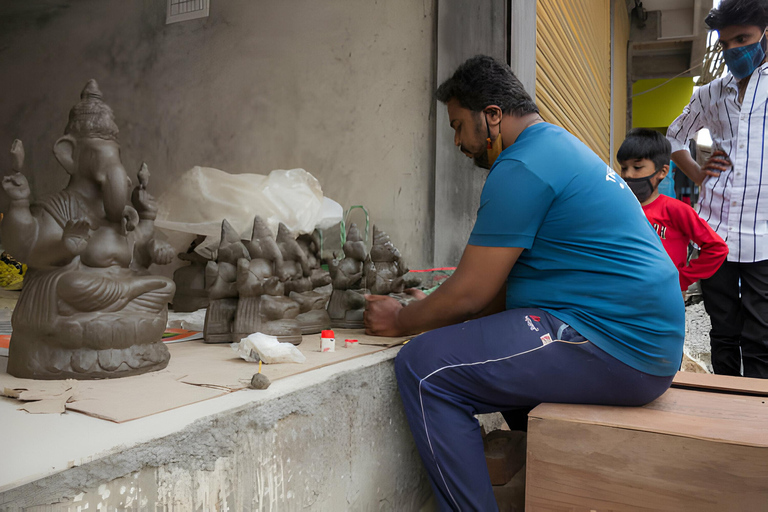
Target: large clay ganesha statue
(89, 307)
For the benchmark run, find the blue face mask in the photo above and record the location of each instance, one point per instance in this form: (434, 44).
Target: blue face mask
(742, 61)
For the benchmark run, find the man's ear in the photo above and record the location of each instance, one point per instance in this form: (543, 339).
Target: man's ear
(493, 114)
(64, 151)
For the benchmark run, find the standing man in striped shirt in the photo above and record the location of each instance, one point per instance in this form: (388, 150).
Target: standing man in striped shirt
(734, 186)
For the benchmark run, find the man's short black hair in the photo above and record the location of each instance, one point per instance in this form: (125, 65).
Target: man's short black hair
(644, 143)
(738, 12)
(483, 81)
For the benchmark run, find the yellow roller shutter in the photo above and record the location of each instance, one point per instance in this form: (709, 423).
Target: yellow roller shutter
(620, 40)
(573, 68)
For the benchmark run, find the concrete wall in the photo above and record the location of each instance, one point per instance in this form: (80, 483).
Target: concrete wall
(677, 22)
(464, 29)
(341, 88)
(337, 442)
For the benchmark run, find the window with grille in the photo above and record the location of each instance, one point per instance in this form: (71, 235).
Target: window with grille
(182, 10)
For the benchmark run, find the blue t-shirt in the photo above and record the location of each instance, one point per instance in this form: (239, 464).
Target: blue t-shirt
(591, 257)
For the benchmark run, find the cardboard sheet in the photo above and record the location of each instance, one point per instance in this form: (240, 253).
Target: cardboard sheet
(48, 398)
(218, 366)
(196, 372)
(126, 399)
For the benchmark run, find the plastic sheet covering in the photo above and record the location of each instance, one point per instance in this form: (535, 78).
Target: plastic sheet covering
(204, 196)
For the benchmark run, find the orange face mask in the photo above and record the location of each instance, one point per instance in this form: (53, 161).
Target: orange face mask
(492, 152)
(494, 149)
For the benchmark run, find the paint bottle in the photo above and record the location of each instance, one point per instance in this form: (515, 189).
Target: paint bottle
(327, 341)
(350, 343)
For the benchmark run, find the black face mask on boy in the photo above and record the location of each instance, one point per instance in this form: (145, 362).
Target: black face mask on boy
(642, 187)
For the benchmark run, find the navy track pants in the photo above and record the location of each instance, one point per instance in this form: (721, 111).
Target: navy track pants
(515, 359)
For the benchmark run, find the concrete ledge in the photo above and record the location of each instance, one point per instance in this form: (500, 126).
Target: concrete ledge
(331, 439)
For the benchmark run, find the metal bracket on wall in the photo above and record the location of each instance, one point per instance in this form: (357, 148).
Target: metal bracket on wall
(183, 10)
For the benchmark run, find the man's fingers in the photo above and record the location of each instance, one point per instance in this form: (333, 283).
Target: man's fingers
(415, 293)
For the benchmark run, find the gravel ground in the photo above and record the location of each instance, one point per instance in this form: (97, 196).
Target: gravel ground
(697, 327)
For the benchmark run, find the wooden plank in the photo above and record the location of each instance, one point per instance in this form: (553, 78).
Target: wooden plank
(733, 419)
(722, 383)
(583, 467)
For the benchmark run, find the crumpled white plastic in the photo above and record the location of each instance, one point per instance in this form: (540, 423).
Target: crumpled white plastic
(260, 346)
(204, 196)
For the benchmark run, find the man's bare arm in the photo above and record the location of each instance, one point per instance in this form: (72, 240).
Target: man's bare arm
(474, 288)
(716, 163)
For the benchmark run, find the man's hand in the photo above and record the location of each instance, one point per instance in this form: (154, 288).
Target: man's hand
(75, 237)
(381, 316)
(716, 163)
(415, 293)
(16, 186)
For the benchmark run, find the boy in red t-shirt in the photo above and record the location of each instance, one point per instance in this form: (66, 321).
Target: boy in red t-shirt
(644, 158)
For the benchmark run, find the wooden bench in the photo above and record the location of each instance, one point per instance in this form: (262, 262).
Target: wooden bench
(690, 450)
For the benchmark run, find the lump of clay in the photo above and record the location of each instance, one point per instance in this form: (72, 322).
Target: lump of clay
(260, 381)
(89, 307)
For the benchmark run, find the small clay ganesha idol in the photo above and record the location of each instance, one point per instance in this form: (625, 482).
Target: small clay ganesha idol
(347, 304)
(89, 307)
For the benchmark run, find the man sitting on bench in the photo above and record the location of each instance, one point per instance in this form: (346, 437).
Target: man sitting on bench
(569, 293)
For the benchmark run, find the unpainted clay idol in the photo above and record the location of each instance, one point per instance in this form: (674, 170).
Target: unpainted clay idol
(89, 307)
(191, 293)
(385, 271)
(313, 317)
(263, 306)
(384, 268)
(347, 304)
(222, 287)
(247, 286)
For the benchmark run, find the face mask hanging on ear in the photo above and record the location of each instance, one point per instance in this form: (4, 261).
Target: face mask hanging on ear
(492, 151)
(743, 61)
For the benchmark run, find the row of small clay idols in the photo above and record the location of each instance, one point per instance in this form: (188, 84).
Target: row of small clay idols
(274, 286)
(382, 272)
(277, 286)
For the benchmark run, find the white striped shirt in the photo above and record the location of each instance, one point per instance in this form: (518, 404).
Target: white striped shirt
(735, 203)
